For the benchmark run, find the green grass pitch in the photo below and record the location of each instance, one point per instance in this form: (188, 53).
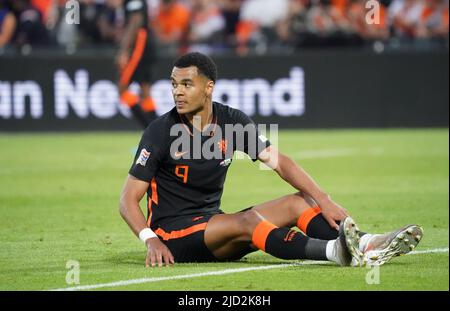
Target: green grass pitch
(59, 201)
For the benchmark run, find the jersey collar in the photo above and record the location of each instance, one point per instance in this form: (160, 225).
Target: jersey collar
(209, 131)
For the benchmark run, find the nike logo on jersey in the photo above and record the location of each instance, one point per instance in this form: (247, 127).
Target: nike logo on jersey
(178, 154)
(225, 162)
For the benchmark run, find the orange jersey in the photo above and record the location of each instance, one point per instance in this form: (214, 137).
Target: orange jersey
(174, 20)
(43, 6)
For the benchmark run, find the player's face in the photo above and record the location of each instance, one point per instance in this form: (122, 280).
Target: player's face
(190, 90)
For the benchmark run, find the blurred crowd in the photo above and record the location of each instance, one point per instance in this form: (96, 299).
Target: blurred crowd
(240, 26)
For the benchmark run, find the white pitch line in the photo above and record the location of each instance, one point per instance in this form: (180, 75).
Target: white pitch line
(221, 272)
(428, 251)
(189, 276)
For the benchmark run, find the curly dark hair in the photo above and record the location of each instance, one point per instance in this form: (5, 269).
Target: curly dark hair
(204, 64)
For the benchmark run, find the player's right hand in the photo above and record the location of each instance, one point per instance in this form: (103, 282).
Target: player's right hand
(157, 253)
(332, 212)
(121, 60)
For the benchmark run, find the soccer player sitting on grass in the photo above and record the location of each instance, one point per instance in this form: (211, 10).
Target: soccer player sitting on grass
(184, 185)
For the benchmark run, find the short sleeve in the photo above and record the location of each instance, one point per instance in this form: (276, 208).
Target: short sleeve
(148, 155)
(249, 139)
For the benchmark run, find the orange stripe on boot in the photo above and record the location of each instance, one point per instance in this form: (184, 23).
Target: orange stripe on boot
(305, 218)
(129, 99)
(261, 233)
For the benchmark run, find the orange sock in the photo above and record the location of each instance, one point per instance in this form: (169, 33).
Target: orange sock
(129, 99)
(306, 217)
(312, 223)
(148, 104)
(261, 233)
(286, 243)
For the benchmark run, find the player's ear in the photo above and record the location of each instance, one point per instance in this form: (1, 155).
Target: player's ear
(209, 87)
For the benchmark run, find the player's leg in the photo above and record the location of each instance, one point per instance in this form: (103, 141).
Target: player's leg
(134, 71)
(132, 102)
(281, 212)
(228, 235)
(377, 248)
(299, 210)
(303, 212)
(146, 76)
(312, 222)
(287, 212)
(148, 104)
(381, 248)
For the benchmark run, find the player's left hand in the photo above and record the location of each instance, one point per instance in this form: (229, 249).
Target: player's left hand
(332, 212)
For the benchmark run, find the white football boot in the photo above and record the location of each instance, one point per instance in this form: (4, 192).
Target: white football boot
(346, 247)
(380, 248)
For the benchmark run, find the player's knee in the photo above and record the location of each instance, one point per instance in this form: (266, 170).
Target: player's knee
(296, 203)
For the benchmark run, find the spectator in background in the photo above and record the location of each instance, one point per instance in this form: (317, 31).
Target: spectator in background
(65, 34)
(90, 11)
(206, 27)
(338, 12)
(111, 21)
(7, 24)
(45, 7)
(260, 24)
(321, 23)
(404, 16)
(30, 28)
(293, 29)
(171, 24)
(239, 25)
(370, 32)
(231, 10)
(433, 23)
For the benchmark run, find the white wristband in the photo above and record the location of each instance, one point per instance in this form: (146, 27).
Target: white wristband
(146, 234)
